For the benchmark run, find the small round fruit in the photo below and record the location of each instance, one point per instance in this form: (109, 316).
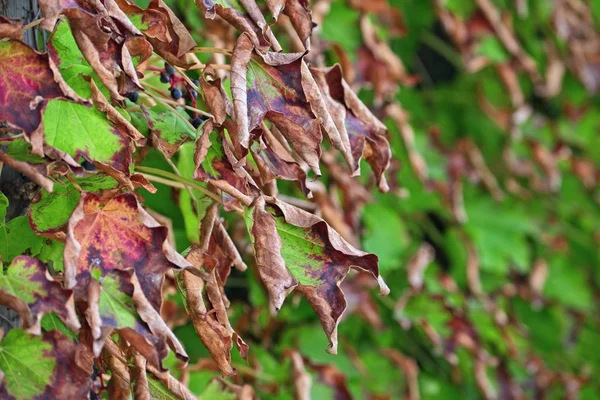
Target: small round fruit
(196, 82)
(134, 96)
(176, 93)
(193, 93)
(164, 78)
(197, 121)
(169, 69)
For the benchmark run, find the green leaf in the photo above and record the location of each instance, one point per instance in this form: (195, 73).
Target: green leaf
(492, 48)
(27, 363)
(81, 131)
(169, 128)
(16, 235)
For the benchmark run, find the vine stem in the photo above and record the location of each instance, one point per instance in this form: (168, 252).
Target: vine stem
(210, 50)
(32, 24)
(167, 103)
(179, 179)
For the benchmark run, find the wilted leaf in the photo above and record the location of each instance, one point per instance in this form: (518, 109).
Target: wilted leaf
(27, 288)
(26, 85)
(298, 250)
(365, 132)
(10, 28)
(42, 367)
(168, 130)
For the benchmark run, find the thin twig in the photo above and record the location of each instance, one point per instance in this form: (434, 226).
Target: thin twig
(211, 50)
(181, 180)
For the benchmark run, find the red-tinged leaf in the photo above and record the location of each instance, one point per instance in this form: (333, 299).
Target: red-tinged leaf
(10, 28)
(365, 132)
(279, 88)
(26, 84)
(214, 95)
(161, 27)
(298, 250)
(27, 288)
(234, 12)
(50, 366)
(116, 233)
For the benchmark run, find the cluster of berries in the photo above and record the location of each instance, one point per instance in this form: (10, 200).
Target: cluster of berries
(169, 76)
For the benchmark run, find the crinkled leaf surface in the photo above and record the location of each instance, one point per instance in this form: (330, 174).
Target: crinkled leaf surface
(25, 79)
(86, 132)
(26, 286)
(53, 210)
(168, 129)
(115, 233)
(42, 367)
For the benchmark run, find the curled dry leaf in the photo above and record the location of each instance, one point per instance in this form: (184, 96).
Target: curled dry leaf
(366, 133)
(235, 13)
(301, 18)
(302, 379)
(409, 367)
(418, 263)
(10, 28)
(331, 376)
(28, 288)
(280, 88)
(43, 367)
(161, 27)
(204, 298)
(297, 250)
(28, 170)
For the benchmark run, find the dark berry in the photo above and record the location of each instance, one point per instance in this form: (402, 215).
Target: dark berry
(88, 166)
(169, 69)
(164, 78)
(197, 121)
(196, 82)
(176, 93)
(134, 96)
(193, 93)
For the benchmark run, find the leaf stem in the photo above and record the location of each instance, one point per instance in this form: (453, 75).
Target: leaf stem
(181, 180)
(210, 50)
(32, 24)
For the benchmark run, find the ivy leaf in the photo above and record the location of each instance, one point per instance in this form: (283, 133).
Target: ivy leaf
(43, 367)
(15, 235)
(168, 130)
(27, 288)
(50, 211)
(298, 250)
(365, 132)
(26, 84)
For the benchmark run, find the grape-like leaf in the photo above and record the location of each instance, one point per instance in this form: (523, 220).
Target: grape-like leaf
(50, 366)
(110, 236)
(116, 233)
(26, 84)
(27, 288)
(298, 250)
